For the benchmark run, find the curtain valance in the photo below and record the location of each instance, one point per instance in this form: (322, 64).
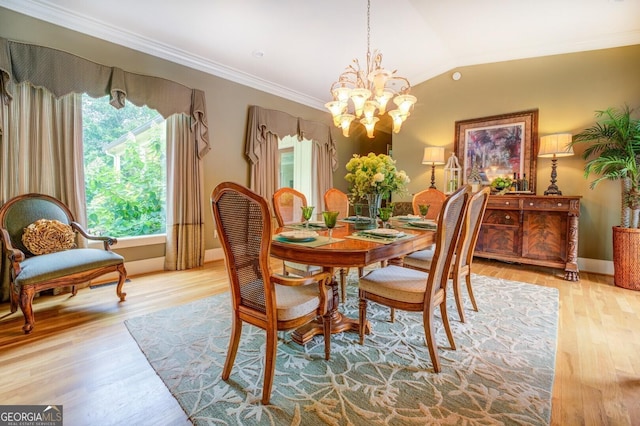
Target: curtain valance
(263, 121)
(62, 73)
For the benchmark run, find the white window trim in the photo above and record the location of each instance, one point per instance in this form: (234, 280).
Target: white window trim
(139, 241)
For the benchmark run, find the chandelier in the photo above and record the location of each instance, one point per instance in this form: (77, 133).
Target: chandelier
(369, 91)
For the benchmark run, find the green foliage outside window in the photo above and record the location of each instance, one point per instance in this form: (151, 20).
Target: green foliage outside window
(128, 200)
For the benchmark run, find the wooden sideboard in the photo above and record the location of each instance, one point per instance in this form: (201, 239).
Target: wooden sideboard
(534, 230)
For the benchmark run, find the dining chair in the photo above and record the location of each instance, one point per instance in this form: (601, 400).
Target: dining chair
(463, 256)
(260, 297)
(287, 203)
(433, 197)
(336, 200)
(418, 291)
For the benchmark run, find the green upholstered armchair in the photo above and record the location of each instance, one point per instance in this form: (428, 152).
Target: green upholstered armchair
(30, 273)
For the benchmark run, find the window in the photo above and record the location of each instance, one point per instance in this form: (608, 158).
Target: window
(295, 166)
(125, 169)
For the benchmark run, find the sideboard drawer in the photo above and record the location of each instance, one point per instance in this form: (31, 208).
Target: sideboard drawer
(501, 217)
(551, 204)
(503, 202)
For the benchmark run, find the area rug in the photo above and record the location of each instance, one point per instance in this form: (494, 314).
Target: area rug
(501, 374)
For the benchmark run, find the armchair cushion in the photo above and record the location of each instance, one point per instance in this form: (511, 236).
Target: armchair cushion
(48, 236)
(46, 267)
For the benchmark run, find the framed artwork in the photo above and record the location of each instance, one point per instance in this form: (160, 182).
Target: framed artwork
(499, 146)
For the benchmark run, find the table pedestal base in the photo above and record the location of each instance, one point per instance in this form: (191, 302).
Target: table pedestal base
(339, 322)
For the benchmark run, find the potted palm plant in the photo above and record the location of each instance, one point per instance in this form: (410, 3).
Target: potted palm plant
(614, 154)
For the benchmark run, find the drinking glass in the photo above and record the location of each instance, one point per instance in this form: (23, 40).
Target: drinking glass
(330, 219)
(424, 209)
(385, 215)
(307, 212)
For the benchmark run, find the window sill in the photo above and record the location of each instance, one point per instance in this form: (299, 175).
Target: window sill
(140, 241)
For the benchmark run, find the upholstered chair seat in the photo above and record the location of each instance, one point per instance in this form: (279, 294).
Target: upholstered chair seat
(397, 283)
(40, 241)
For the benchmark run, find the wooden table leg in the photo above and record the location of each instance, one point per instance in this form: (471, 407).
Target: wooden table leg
(339, 322)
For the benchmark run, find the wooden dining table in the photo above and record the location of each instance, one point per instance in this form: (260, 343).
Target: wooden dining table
(344, 253)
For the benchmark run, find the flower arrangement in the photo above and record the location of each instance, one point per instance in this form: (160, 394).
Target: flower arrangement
(375, 174)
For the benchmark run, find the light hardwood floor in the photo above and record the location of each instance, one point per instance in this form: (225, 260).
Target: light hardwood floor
(81, 355)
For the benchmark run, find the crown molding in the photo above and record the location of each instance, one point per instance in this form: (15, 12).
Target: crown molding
(54, 14)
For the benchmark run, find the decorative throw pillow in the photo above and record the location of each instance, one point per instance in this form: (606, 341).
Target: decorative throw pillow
(47, 236)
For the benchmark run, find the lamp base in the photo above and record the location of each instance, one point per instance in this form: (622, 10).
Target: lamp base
(433, 176)
(553, 188)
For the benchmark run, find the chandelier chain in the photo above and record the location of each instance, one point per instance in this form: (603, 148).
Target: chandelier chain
(368, 27)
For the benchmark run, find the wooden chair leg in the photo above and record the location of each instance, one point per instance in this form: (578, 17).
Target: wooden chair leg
(392, 315)
(13, 298)
(360, 271)
(122, 272)
(447, 326)
(362, 305)
(26, 306)
(458, 297)
(234, 340)
(269, 364)
(430, 337)
(470, 291)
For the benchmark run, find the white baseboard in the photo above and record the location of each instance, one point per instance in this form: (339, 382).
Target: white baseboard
(597, 266)
(156, 264)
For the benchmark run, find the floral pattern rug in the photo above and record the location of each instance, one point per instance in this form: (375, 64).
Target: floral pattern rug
(501, 373)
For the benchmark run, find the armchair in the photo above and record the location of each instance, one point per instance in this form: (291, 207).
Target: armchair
(30, 273)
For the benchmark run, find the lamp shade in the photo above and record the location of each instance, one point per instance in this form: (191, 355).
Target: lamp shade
(555, 145)
(433, 155)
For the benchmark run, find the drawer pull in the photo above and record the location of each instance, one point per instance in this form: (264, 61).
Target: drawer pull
(506, 202)
(507, 217)
(531, 204)
(559, 204)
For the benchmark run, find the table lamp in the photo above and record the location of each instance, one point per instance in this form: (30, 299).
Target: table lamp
(433, 155)
(554, 146)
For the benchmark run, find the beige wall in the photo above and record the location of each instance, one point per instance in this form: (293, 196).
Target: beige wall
(566, 89)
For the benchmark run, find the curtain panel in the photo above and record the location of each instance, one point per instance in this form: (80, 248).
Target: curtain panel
(62, 73)
(265, 127)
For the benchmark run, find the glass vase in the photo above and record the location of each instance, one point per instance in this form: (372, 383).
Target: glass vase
(375, 202)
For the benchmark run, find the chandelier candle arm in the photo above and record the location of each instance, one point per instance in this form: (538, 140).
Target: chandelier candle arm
(369, 91)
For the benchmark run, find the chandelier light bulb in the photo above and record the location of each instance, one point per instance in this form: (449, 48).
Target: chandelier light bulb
(345, 123)
(342, 94)
(383, 99)
(379, 79)
(398, 119)
(359, 97)
(405, 102)
(370, 125)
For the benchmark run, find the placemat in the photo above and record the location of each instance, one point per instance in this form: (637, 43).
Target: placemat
(381, 240)
(311, 227)
(424, 228)
(319, 241)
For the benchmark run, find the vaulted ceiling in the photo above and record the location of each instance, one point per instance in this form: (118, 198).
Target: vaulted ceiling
(297, 48)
